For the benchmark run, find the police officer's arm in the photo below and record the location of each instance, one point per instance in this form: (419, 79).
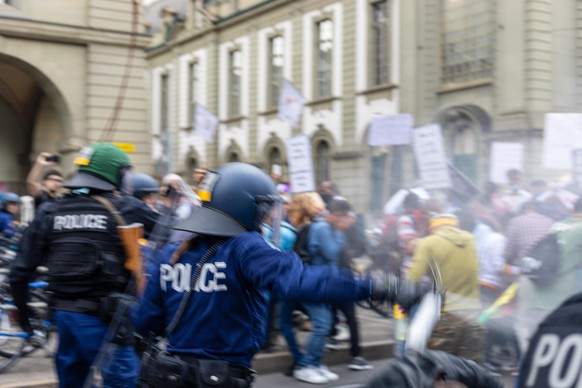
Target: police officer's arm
(30, 256)
(420, 259)
(283, 272)
(134, 210)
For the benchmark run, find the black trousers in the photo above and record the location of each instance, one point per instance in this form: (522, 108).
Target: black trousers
(349, 310)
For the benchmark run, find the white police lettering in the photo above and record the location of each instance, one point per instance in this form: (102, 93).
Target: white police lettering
(80, 221)
(179, 275)
(550, 350)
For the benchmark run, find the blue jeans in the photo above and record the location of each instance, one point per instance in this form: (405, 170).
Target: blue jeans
(321, 318)
(286, 326)
(80, 337)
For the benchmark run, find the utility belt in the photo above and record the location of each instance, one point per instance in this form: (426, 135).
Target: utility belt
(162, 369)
(113, 309)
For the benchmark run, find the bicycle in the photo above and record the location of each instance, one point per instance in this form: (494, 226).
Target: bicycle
(14, 343)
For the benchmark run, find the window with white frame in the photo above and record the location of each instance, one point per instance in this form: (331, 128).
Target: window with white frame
(274, 158)
(322, 161)
(323, 58)
(276, 58)
(193, 84)
(234, 78)
(379, 38)
(467, 40)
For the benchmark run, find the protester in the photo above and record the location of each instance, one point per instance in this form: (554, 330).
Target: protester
(328, 190)
(77, 239)
(198, 176)
(219, 329)
(515, 196)
(567, 279)
(50, 186)
(452, 253)
(522, 233)
(303, 210)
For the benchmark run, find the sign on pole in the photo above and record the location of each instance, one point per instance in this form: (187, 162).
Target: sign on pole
(291, 103)
(430, 157)
(301, 174)
(504, 156)
(205, 123)
(562, 134)
(390, 130)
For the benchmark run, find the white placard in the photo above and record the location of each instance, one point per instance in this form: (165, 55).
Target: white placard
(291, 103)
(504, 157)
(430, 157)
(300, 165)
(390, 130)
(205, 123)
(562, 134)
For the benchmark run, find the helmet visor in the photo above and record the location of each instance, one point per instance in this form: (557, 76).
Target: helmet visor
(271, 221)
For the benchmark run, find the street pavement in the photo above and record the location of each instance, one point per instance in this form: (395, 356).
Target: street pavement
(376, 332)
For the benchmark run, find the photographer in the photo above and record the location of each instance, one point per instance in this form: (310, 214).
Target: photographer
(52, 180)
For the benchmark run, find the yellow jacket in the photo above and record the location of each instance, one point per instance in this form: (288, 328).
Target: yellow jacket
(453, 251)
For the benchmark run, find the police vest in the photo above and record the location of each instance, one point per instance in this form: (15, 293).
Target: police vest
(85, 257)
(554, 355)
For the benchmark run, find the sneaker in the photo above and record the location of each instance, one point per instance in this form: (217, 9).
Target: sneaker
(343, 333)
(329, 375)
(310, 374)
(332, 344)
(360, 363)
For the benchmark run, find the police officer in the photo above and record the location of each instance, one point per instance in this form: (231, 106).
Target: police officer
(221, 278)
(77, 239)
(9, 208)
(146, 189)
(554, 355)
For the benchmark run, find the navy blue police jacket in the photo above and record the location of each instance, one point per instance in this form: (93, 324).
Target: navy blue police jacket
(554, 355)
(225, 317)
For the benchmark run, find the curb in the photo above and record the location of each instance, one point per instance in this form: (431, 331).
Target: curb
(265, 363)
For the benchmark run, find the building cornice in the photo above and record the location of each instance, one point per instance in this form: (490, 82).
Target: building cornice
(66, 33)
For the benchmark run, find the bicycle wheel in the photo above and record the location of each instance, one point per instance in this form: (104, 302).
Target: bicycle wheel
(12, 339)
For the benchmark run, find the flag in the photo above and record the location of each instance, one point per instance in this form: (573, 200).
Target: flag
(493, 311)
(205, 122)
(291, 103)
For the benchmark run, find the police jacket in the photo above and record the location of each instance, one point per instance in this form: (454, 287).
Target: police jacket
(554, 355)
(77, 239)
(225, 317)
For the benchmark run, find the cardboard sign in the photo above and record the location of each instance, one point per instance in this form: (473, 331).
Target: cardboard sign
(505, 156)
(562, 134)
(430, 157)
(390, 130)
(300, 164)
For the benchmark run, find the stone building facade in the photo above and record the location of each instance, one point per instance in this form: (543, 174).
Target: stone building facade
(71, 72)
(486, 71)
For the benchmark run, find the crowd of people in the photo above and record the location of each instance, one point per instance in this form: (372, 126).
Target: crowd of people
(258, 257)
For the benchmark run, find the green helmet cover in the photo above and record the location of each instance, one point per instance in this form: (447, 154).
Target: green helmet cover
(103, 160)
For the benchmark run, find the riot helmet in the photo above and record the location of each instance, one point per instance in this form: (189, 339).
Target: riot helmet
(143, 184)
(8, 197)
(235, 198)
(101, 166)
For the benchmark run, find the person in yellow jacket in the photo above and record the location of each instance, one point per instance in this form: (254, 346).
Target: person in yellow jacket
(453, 252)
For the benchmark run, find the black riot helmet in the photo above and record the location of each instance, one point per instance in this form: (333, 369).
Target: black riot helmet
(235, 199)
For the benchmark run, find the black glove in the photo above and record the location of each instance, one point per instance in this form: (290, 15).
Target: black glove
(391, 289)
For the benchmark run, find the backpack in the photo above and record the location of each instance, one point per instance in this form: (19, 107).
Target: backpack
(542, 263)
(301, 243)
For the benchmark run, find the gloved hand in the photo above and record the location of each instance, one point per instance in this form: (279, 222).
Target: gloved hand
(392, 289)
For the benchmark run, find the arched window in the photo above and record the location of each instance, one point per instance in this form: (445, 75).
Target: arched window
(322, 161)
(233, 157)
(274, 157)
(461, 138)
